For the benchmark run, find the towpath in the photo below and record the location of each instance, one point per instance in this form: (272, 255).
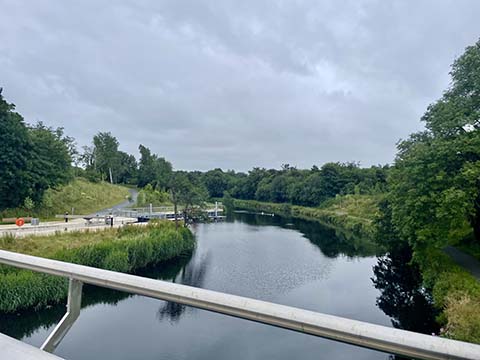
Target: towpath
(466, 261)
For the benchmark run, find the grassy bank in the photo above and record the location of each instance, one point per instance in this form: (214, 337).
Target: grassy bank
(126, 250)
(353, 215)
(455, 291)
(86, 197)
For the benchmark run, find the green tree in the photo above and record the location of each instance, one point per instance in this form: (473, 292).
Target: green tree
(15, 153)
(153, 170)
(216, 182)
(128, 169)
(32, 159)
(50, 163)
(188, 193)
(106, 160)
(435, 184)
(228, 202)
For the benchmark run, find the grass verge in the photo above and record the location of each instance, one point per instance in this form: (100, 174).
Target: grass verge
(455, 291)
(353, 215)
(125, 249)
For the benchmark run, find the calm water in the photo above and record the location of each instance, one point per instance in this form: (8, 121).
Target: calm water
(290, 262)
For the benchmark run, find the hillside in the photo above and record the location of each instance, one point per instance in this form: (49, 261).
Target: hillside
(84, 196)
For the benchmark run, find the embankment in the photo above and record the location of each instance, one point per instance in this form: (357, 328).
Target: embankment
(455, 291)
(126, 249)
(352, 215)
(84, 196)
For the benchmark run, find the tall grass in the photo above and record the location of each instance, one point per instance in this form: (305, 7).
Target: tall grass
(126, 250)
(351, 214)
(455, 291)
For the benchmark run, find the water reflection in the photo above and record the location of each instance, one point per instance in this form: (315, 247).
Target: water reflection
(25, 323)
(331, 242)
(193, 274)
(403, 297)
(238, 257)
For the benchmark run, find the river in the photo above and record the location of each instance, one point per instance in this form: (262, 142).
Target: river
(290, 262)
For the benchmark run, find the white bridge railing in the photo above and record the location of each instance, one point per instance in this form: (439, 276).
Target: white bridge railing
(364, 334)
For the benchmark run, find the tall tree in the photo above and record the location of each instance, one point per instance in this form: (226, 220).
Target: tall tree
(106, 155)
(32, 159)
(50, 164)
(216, 182)
(153, 170)
(435, 184)
(15, 152)
(128, 169)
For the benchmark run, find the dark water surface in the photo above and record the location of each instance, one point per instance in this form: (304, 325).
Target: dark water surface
(289, 262)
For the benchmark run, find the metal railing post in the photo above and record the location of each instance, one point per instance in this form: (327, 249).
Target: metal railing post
(73, 311)
(382, 338)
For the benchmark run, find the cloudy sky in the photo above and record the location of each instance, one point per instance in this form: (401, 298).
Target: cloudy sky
(234, 84)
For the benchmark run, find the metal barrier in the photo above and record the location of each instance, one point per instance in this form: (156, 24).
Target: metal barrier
(12, 349)
(355, 332)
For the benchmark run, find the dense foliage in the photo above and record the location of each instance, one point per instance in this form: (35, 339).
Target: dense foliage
(32, 159)
(295, 186)
(434, 196)
(435, 183)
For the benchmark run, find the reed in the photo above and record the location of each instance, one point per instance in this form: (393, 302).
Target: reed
(126, 250)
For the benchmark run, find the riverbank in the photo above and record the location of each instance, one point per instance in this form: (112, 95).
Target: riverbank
(126, 249)
(455, 291)
(352, 215)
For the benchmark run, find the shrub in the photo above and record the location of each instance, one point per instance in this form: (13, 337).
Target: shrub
(463, 318)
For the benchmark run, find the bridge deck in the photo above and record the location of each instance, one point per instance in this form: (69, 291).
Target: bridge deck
(13, 349)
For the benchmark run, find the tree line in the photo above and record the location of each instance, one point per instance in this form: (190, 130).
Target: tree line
(306, 187)
(35, 158)
(432, 190)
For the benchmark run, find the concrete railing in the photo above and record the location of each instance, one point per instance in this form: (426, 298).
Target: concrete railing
(364, 334)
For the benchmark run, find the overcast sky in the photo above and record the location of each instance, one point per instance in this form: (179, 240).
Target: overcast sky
(234, 84)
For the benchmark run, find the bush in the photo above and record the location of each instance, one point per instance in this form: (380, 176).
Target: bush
(463, 318)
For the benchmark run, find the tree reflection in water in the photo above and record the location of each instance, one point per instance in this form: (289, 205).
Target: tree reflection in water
(329, 240)
(24, 323)
(192, 274)
(403, 297)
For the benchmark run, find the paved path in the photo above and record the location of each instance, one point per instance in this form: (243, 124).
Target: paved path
(122, 205)
(51, 227)
(466, 261)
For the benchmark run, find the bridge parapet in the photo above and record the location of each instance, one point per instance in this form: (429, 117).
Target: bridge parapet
(355, 332)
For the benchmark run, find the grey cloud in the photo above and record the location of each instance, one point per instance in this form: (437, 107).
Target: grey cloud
(234, 84)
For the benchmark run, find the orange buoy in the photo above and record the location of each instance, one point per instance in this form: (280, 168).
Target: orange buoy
(20, 222)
